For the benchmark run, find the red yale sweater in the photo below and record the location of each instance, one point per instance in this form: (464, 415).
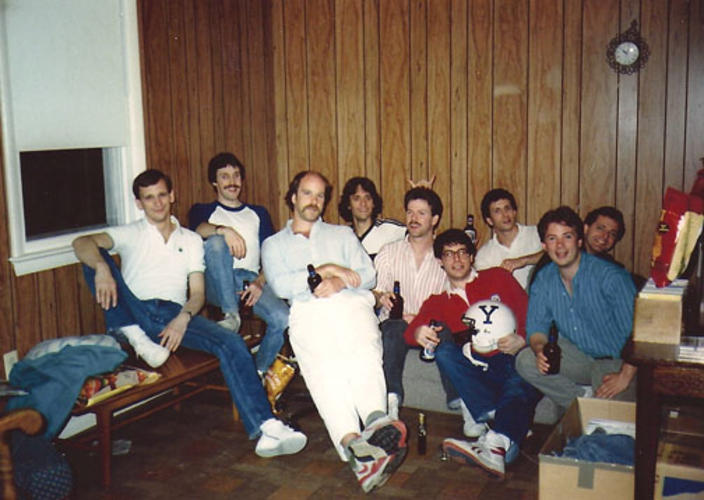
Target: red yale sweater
(449, 308)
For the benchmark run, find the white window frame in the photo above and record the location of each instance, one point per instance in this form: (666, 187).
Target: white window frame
(121, 164)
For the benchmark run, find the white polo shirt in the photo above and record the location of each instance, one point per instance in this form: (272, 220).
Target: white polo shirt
(153, 268)
(492, 253)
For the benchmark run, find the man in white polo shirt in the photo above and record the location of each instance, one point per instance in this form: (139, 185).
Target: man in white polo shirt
(159, 292)
(513, 246)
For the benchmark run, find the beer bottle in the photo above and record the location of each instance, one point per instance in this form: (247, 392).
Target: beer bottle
(422, 435)
(470, 230)
(427, 354)
(314, 279)
(552, 351)
(245, 310)
(397, 308)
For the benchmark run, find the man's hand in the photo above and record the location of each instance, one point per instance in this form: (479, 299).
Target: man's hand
(172, 335)
(615, 383)
(349, 277)
(329, 287)
(512, 264)
(384, 299)
(235, 242)
(251, 295)
(105, 286)
(425, 335)
(426, 183)
(511, 344)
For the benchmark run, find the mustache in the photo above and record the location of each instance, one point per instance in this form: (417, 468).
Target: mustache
(315, 207)
(233, 186)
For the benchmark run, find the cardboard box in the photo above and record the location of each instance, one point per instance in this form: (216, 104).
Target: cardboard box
(658, 313)
(679, 473)
(562, 478)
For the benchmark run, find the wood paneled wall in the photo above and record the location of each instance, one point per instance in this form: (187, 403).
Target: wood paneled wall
(481, 93)
(493, 93)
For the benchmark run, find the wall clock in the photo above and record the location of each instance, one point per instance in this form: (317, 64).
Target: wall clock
(628, 52)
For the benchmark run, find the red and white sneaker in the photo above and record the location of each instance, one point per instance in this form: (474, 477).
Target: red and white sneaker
(378, 452)
(488, 452)
(372, 473)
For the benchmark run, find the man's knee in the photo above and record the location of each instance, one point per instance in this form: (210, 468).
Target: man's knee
(525, 363)
(215, 244)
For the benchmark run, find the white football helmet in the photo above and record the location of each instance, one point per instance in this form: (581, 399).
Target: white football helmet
(493, 320)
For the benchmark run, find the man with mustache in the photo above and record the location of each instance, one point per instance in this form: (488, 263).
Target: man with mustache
(513, 246)
(603, 228)
(413, 264)
(233, 232)
(334, 331)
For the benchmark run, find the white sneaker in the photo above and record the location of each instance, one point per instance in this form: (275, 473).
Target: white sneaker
(152, 353)
(279, 439)
(488, 452)
(232, 322)
(471, 429)
(392, 405)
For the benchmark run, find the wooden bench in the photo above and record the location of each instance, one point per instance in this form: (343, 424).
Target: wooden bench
(182, 377)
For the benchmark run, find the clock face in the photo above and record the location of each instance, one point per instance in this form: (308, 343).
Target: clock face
(626, 53)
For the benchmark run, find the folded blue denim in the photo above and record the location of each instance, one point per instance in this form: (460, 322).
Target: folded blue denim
(600, 447)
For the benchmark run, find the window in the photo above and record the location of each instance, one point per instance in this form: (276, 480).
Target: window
(72, 127)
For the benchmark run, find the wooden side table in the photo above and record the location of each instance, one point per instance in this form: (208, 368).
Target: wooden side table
(660, 377)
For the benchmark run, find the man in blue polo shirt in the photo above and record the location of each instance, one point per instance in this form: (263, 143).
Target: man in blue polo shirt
(591, 302)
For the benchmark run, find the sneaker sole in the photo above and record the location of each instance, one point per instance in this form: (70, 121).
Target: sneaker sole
(391, 437)
(461, 455)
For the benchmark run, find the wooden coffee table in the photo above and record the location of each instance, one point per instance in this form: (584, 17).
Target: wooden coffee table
(178, 382)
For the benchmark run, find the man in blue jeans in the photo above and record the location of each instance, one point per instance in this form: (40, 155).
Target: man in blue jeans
(159, 293)
(233, 233)
(485, 378)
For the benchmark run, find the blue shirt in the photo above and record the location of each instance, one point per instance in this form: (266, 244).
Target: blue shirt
(285, 257)
(597, 318)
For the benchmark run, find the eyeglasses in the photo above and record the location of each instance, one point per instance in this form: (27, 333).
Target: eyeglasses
(462, 253)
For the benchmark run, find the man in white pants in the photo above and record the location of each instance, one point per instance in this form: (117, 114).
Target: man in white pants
(334, 331)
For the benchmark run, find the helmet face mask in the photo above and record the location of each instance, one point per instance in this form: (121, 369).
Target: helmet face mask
(490, 321)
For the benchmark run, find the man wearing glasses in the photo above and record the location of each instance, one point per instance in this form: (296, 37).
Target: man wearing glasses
(487, 382)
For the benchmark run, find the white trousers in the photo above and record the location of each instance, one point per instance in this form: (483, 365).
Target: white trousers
(338, 346)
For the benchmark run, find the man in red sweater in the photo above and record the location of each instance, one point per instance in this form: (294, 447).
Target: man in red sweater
(487, 382)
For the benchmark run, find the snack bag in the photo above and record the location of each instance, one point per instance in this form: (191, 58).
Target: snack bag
(676, 235)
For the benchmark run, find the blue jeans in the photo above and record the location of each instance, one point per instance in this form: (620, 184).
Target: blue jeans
(222, 284)
(236, 362)
(499, 388)
(395, 350)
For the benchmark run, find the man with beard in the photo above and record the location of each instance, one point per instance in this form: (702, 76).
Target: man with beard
(334, 331)
(603, 228)
(233, 232)
(412, 263)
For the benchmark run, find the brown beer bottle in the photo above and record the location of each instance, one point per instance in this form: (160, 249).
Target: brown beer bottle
(422, 434)
(314, 279)
(552, 351)
(397, 309)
